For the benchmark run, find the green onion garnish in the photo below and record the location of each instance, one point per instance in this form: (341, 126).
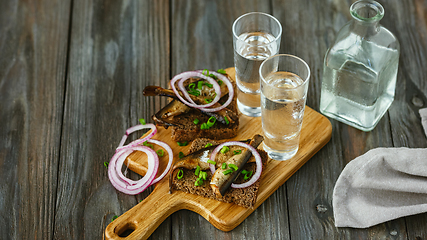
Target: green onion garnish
(114, 218)
(200, 85)
(244, 171)
(237, 152)
(226, 120)
(142, 121)
(211, 162)
(182, 143)
(204, 126)
(197, 171)
(147, 144)
(208, 84)
(198, 182)
(222, 71)
(228, 171)
(205, 72)
(196, 121)
(180, 174)
(208, 100)
(160, 152)
(248, 175)
(225, 149)
(203, 175)
(181, 155)
(224, 165)
(234, 167)
(211, 121)
(191, 86)
(208, 145)
(106, 164)
(220, 82)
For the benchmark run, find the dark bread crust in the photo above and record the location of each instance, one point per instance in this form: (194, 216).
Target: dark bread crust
(186, 130)
(245, 197)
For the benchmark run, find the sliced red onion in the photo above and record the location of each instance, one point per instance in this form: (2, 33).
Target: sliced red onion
(225, 80)
(255, 153)
(170, 153)
(138, 141)
(186, 75)
(132, 187)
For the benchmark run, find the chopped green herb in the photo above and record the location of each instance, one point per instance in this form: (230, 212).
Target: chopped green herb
(225, 149)
(204, 126)
(224, 165)
(114, 218)
(106, 164)
(244, 171)
(181, 155)
(197, 171)
(205, 72)
(199, 182)
(180, 174)
(200, 85)
(236, 152)
(142, 121)
(182, 143)
(203, 175)
(248, 175)
(208, 84)
(160, 152)
(226, 120)
(208, 145)
(220, 82)
(211, 162)
(195, 93)
(222, 71)
(208, 100)
(191, 86)
(234, 167)
(196, 121)
(211, 121)
(147, 144)
(228, 171)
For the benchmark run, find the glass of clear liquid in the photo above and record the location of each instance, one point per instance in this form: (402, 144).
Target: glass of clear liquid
(284, 85)
(256, 36)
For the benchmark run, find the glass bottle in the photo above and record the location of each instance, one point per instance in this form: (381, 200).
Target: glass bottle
(360, 69)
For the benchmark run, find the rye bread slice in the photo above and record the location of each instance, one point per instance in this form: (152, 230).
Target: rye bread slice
(185, 130)
(245, 197)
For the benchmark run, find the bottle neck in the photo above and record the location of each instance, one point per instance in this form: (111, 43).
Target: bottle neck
(366, 17)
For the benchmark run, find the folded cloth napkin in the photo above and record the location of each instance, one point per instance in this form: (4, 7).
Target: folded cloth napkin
(381, 185)
(423, 114)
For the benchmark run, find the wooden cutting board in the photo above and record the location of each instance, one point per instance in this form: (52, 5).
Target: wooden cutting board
(145, 217)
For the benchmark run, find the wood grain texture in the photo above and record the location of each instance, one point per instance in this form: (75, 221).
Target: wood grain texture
(116, 49)
(60, 120)
(147, 215)
(33, 53)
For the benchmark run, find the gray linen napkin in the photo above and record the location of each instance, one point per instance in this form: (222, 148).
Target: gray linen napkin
(423, 114)
(381, 185)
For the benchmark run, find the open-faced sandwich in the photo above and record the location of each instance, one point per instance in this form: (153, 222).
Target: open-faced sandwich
(228, 171)
(203, 105)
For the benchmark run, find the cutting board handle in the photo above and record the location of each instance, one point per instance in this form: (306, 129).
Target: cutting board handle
(140, 221)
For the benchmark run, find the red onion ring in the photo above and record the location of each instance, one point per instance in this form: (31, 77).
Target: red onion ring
(114, 170)
(255, 153)
(170, 153)
(186, 75)
(138, 141)
(230, 92)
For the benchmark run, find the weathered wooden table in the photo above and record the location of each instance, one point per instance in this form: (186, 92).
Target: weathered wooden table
(71, 77)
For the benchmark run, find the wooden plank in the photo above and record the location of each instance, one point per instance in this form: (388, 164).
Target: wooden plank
(116, 49)
(33, 50)
(310, 189)
(409, 23)
(144, 218)
(202, 38)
